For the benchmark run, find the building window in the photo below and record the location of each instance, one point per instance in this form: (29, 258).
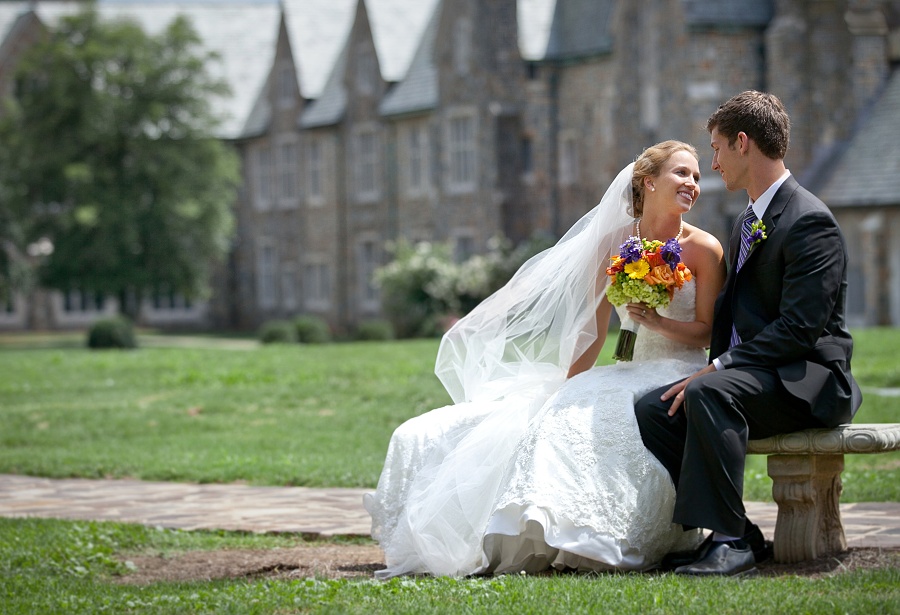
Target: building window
(366, 263)
(462, 44)
(285, 88)
(416, 160)
(461, 150)
(463, 247)
(266, 274)
(365, 69)
(317, 286)
(568, 161)
(83, 301)
(367, 165)
(527, 155)
(315, 180)
(264, 177)
(287, 172)
(166, 299)
(288, 287)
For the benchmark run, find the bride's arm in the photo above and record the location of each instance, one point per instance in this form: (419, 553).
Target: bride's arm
(705, 258)
(586, 361)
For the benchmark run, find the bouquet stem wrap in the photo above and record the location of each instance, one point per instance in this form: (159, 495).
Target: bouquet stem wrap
(627, 336)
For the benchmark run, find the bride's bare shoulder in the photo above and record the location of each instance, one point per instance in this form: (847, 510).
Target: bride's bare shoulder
(696, 239)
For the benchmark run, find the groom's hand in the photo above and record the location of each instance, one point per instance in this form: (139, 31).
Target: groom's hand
(677, 390)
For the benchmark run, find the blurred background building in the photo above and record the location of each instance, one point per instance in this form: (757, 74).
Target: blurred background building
(364, 121)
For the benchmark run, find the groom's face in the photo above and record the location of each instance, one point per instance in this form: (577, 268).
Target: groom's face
(727, 160)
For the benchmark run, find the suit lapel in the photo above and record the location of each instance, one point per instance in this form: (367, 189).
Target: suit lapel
(770, 218)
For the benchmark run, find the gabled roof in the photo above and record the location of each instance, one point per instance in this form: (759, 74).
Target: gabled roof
(419, 90)
(329, 108)
(535, 24)
(867, 172)
(318, 31)
(397, 28)
(580, 28)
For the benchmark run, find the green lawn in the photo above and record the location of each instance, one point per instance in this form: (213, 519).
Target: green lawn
(208, 409)
(62, 567)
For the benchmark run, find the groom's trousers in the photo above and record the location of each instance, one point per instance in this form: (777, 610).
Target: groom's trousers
(704, 445)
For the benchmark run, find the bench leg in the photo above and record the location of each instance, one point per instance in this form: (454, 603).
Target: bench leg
(807, 489)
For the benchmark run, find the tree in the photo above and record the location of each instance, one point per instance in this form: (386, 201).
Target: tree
(111, 164)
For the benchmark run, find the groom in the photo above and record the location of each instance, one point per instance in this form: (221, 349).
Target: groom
(780, 350)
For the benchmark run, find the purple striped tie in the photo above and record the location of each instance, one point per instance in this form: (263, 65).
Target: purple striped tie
(746, 229)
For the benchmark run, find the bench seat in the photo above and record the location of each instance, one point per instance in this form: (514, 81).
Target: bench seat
(805, 467)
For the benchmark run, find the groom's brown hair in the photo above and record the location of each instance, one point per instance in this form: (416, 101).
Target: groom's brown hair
(759, 114)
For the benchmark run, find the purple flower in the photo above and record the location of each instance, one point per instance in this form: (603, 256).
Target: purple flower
(632, 250)
(671, 253)
(757, 233)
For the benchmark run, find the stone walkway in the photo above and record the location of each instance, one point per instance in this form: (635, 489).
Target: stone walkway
(313, 512)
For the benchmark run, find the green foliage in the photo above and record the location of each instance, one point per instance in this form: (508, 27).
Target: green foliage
(417, 286)
(115, 332)
(423, 288)
(312, 330)
(374, 330)
(134, 194)
(277, 332)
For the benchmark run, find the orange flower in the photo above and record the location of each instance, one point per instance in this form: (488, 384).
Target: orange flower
(615, 267)
(661, 274)
(655, 259)
(682, 274)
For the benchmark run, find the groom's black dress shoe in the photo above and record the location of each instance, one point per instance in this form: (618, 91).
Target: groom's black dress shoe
(762, 549)
(683, 558)
(723, 559)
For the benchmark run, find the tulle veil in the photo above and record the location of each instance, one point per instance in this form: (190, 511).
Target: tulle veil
(533, 328)
(504, 360)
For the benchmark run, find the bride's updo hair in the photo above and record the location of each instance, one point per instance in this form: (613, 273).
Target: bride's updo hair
(649, 164)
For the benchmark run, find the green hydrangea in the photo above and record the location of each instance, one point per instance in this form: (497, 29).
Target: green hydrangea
(626, 290)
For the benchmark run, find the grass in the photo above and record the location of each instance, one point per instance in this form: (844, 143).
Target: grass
(64, 567)
(208, 409)
(205, 409)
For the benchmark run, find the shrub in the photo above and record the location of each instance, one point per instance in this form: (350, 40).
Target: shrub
(422, 289)
(116, 332)
(277, 332)
(312, 330)
(416, 286)
(374, 330)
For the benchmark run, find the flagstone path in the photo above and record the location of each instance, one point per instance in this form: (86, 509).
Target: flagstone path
(312, 512)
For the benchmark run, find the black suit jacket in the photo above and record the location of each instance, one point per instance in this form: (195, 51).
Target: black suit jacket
(788, 302)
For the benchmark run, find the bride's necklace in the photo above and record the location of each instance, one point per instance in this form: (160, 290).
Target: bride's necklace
(677, 237)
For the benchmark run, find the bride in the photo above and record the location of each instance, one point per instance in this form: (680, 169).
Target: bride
(539, 462)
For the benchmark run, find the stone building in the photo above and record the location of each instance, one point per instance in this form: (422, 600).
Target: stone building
(366, 121)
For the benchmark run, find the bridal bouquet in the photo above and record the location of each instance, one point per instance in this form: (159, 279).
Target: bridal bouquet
(643, 272)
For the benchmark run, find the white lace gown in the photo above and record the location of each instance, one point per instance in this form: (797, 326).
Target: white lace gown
(555, 476)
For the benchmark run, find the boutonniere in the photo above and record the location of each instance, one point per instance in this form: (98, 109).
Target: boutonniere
(757, 233)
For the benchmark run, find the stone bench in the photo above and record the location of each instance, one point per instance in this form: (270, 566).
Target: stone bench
(805, 467)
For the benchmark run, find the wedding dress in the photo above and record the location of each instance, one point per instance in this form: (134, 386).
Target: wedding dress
(549, 475)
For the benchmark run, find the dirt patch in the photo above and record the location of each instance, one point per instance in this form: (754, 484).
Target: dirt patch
(854, 559)
(320, 561)
(361, 562)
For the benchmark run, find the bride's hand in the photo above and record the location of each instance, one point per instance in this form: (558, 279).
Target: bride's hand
(644, 315)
